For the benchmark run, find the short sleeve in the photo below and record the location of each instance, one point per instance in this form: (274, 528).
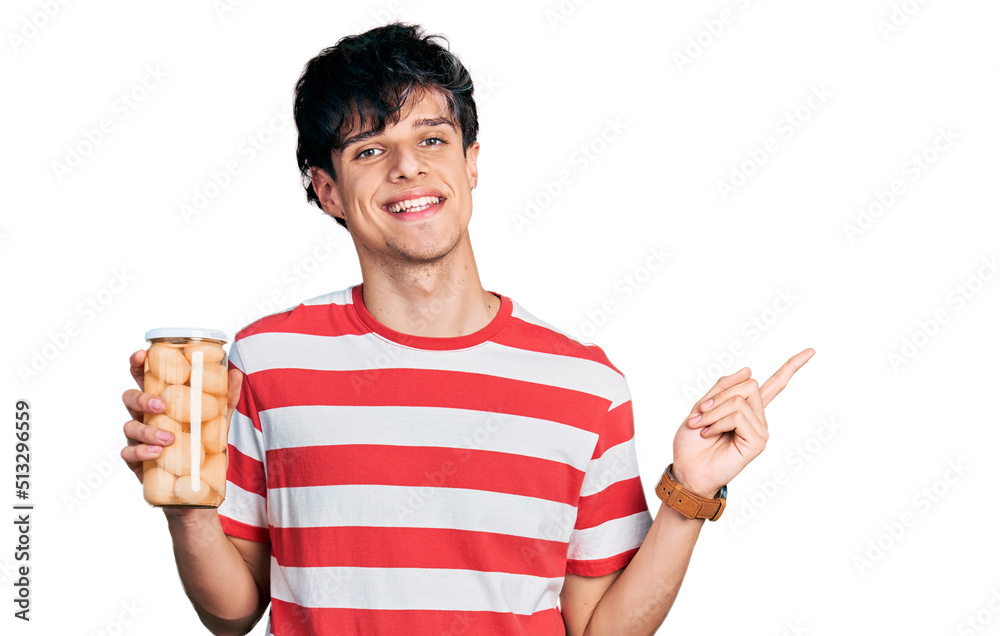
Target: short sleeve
(612, 515)
(244, 512)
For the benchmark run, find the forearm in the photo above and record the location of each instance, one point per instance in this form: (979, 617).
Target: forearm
(639, 599)
(215, 577)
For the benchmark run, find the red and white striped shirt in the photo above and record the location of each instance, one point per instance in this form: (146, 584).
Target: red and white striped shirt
(414, 485)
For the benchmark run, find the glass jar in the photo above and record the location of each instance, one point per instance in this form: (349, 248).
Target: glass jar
(188, 368)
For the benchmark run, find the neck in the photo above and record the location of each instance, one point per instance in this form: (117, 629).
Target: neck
(438, 299)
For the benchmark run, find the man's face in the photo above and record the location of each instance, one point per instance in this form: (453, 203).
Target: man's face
(405, 193)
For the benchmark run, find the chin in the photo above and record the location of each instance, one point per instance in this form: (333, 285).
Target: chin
(427, 253)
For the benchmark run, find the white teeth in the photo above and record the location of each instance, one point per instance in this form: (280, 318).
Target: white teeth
(409, 204)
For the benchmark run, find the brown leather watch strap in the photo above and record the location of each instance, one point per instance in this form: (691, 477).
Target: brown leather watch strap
(687, 503)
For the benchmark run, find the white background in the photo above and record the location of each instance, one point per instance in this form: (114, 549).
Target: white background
(787, 557)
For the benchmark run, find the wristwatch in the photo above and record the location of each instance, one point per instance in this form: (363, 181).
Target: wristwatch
(686, 502)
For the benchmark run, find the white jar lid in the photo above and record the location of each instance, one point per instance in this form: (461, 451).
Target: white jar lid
(186, 332)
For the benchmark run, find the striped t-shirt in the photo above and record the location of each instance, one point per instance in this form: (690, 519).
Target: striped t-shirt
(416, 485)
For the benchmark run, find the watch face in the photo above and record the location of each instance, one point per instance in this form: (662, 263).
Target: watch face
(723, 492)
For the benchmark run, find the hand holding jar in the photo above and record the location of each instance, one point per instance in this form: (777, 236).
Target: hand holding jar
(178, 450)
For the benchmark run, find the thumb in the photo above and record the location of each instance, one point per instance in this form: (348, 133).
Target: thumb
(235, 383)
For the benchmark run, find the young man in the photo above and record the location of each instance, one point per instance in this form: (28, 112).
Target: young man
(416, 454)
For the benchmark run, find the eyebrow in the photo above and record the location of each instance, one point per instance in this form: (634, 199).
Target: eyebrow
(417, 123)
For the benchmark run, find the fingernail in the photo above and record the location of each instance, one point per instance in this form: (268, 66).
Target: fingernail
(156, 403)
(707, 403)
(155, 450)
(163, 436)
(694, 420)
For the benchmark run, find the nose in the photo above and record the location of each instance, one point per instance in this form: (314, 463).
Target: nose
(408, 164)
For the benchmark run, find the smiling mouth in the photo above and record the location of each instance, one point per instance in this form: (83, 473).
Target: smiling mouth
(413, 205)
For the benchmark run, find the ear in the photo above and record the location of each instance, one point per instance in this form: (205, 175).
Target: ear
(328, 193)
(471, 154)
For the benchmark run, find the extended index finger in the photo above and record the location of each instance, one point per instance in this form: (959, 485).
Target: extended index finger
(779, 380)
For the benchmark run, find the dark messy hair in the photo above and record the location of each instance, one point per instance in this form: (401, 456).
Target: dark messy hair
(367, 79)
